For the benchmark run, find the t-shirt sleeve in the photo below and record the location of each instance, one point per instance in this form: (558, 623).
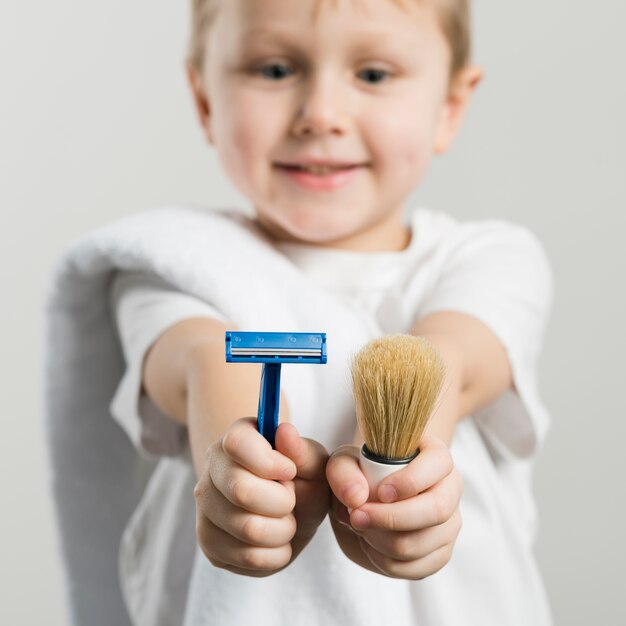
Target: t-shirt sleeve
(143, 306)
(499, 273)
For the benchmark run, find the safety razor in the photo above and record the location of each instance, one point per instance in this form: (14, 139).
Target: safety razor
(273, 349)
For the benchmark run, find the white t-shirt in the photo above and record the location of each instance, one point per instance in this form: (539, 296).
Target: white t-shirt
(492, 270)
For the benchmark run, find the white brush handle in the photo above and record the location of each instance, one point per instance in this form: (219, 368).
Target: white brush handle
(375, 472)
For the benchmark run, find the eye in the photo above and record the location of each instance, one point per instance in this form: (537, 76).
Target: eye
(373, 76)
(275, 71)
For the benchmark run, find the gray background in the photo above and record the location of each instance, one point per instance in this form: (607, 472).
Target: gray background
(96, 121)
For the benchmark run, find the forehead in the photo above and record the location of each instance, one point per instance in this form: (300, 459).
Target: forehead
(362, 6)
(312, 11)
(384, 18)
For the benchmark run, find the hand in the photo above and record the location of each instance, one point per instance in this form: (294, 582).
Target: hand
(250, 517)
(410, 532)
(311, 488)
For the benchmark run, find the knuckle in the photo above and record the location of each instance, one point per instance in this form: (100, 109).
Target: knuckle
(211, 557)
(458, 524)
(211, 451)
(241, 491)
(333, 476)
(438, 561)
(251, 558)
(430, 567)
(389, 521)
(442, 460)
(253, 529)
(391, 567)
(400, 546)
(443, 507)
(197, 491)
(422, 573)
(444, 556)
(200, 490)
(414, 483)
(418, 574)
(231, 442)
(447, 463)
(292, 527)
(290, 505)
(264, 558)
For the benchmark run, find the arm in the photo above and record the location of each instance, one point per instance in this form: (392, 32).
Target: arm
(420, 524)
(478, 369)
(256, 507)
(186, 375)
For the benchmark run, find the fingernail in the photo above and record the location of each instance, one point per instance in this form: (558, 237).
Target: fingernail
(360, 520)
(387, 493)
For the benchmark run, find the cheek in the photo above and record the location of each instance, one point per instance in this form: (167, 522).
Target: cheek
(244, 139)
(406, 140)
(240, 131)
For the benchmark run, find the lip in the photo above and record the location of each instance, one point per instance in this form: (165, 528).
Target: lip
(319, 163)
(318, 182)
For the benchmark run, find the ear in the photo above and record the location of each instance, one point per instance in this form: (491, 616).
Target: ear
(200, 100)
(453, 111)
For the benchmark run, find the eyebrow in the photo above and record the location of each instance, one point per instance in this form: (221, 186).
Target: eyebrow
(284, 35)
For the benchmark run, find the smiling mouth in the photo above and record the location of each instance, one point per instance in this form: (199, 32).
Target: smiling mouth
(318, 170)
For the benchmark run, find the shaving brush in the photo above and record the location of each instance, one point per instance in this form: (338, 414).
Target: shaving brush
(396, 380)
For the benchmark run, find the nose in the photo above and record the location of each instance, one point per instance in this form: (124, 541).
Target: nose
(320, 109)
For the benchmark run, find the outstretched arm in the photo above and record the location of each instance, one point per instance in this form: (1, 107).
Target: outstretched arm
(411, 531)
(478, 369)
(256, 507)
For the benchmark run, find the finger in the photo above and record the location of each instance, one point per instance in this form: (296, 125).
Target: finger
(413, 545)
(309, 456)
(221, 548)
(247, 447)
(249, 492)
(250, 528)
(346, 478)
(312, 504)
(339, 512)
(408, 570)
(430, 466)
(430, 508)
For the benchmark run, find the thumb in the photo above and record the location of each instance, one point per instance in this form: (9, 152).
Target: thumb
(346, 478)
(308, 455)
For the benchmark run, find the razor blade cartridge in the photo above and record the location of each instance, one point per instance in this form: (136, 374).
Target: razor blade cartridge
(248, 347)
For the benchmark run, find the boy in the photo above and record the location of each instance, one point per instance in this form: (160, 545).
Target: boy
(326, 115)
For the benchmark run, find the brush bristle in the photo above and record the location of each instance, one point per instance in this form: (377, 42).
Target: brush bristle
(396, 380)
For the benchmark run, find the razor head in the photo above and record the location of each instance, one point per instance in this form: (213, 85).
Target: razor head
(248, 347)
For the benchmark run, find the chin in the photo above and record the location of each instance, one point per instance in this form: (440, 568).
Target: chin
(310, 223)
(317, 231)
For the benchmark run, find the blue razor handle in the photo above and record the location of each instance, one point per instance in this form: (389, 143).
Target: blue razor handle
(269, 400)
(273, 349)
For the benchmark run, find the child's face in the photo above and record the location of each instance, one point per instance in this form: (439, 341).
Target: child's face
(363, 86)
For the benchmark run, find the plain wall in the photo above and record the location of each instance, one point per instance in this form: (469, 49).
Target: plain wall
(96, 121)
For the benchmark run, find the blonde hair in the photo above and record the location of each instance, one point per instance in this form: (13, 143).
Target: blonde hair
(454, 20)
